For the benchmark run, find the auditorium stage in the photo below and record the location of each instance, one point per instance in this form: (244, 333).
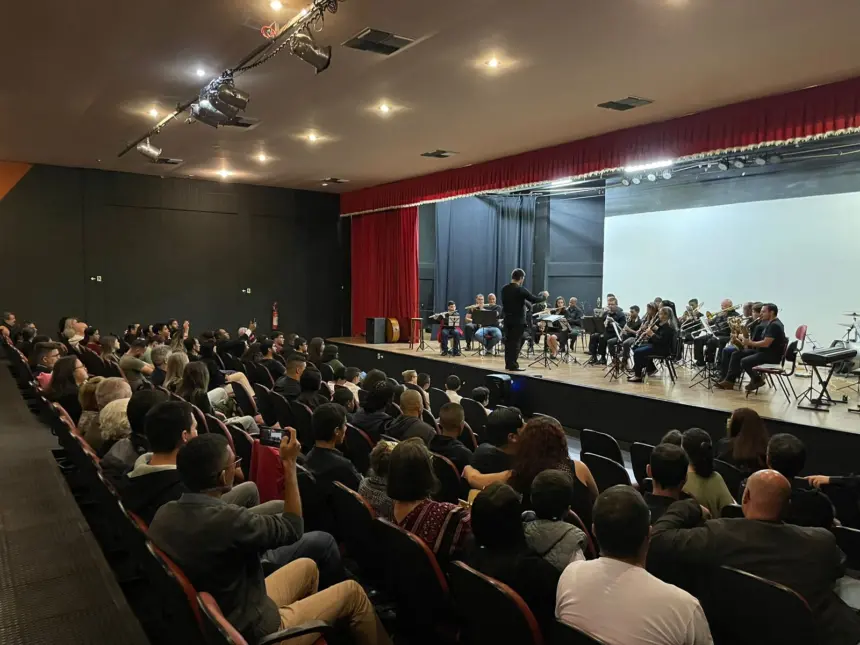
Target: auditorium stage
(580, 397)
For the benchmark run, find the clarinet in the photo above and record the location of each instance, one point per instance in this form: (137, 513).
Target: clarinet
(641, 336)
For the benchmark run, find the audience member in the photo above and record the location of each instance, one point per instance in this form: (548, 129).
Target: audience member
(674, 437)
(288, 385)
(502, 432)
(745, 447)
(67, 376)
(43, 358)
(192, 348)
(452, 388)
(614, 599)
(667, 469)
(109, 346)
(275, 367)
(229, 567)
(806, 560)
(113, 422)
(124, 453)
(444, 527)
(325, 461)
(88, 423)
(374, 487)
(253, 354)
(160, 356)
(108, 390)
(424, 384)
(175, 368)
(547, 532)
(133, 366)
(482, 396)
(345, 398)
(330, 357)
(447, 442)
(26, 340)
(372, 417)
(301, 346)
(349, 378)
(372, 378)
(410, 424)
(503, 552)
(217, 377)
(311, 394)
(194, 389)
(92, 340)
(704, 484)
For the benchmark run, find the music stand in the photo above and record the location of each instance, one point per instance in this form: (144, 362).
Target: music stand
(422, 345)
(545, 358)
(705, 375)
(484, 318)
(593, 325)
(616, 369)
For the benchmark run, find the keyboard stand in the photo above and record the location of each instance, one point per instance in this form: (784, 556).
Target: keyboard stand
(823, 401)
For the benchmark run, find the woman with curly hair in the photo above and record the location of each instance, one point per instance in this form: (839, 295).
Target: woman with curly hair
(542, 446)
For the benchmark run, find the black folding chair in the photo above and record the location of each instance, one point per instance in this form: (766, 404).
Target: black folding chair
(732, 510)
(326, 372)
(490, 611)
(600, 443)
(606, 472)
(640, 455)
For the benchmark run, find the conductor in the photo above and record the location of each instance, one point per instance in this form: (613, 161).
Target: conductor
(514, 299)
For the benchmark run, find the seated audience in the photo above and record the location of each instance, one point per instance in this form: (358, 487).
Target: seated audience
(667, 469)
(300, 345)
(547, 533)
(372, 417)
(194, 389)
(325, 461)
(109, 346)
(674, 437)
(288, 385)
(133, 366)
(373, 377)
(614, 599)
(229, 567)
(42, 360)
(448, 444)
(501, 436)
(330, 357)
(349, 378)
(374, 487)
(125, 452)
(67, 376)
(175, 368)
(745, 447)
(253, 354)
(345, 398)
(410, 424)
(704, 484)
(88, 423)
(424, 384)
(482, 396)
(192, 348)
(503, 552)
(92, 340)
(452, 388)
(315, 350)
(311, 394)
(542, 445)
(444, 527)
(26, 340)
(160, 356)
(113, 421)
(275, 367)
(806, 560)
(108, 390)
(217, 377)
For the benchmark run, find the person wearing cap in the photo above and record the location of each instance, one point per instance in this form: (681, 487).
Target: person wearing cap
(547, 532)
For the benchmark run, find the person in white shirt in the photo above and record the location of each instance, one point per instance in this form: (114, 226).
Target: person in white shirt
(614, 599)
(452, 387)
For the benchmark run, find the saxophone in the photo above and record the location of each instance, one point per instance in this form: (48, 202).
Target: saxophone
(739, 331)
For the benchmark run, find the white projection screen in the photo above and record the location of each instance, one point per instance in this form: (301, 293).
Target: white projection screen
(802, 254)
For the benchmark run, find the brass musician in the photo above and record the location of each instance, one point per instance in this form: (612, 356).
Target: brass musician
(705, 346)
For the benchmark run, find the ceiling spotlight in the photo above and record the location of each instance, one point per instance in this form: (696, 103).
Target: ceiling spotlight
(224, 173)
(738, 163)
(625, 182)
(312, 137)
(276, 5)
(262, 158)
(493, 62)
(666, 174)
(561, 182)
(652, 176)
(302, 45)
(200, 72)
(385, 108)
(325, 183)
(148, 150)
(654, 165)
(723, 166)
(219, 102)
(759, 161)
(637, 181)
(774, 159)
(153, 113)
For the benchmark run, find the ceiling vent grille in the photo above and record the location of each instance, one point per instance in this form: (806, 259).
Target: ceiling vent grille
(439, 154)
(622, 105)
(378, 42)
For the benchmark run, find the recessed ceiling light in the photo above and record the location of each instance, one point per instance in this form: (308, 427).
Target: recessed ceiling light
(384, 108)
(200, 72)
(325, 183)
(262, 157)
(153, 113)
(224, 173)
(312, 137)
(303, 13)
(276, 5)
(493, 62)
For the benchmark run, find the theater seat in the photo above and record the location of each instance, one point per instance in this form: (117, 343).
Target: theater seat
(564, 634)
(354, 517)
(600, 443)
(449, 480)
(357, 446)
(606, 472)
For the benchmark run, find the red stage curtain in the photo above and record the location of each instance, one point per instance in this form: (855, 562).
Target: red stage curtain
(384, 252)
(809, 112)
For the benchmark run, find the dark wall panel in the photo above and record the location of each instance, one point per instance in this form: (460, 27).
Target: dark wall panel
(575, 266)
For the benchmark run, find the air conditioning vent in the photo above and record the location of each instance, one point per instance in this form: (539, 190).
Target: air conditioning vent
(167, 161)
(439, 154)
(378, 42)
(622, 105)
(335, 180)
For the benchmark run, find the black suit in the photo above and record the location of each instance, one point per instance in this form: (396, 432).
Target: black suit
(806, 560)
(514, 299)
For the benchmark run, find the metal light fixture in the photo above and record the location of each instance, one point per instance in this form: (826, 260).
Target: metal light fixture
(148, 150)
(723, 166)
(759, 161)
(652, 176)
(302, 46)
(219, 102)
(625, 182)
(666, 174)
(637, 181)
(738, 163)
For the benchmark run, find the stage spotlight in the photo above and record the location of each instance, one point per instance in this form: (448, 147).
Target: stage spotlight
(759, 161)
(219, 102)
(723, 166)
(738, 163)
(666, 174)
(302, 45)
(148, 150)
(652, 176)
(774, 159)
(637, 180)
(625, 182)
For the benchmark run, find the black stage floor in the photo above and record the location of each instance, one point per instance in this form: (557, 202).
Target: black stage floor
(581, 398)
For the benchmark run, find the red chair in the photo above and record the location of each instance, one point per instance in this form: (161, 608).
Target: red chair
(267, 471)
(778, 371)
(590, 548)
(490, 611)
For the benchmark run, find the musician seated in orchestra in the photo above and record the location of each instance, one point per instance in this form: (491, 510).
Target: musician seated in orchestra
(628, 332)
(659, 341)
(489, 336)
(752, 322)
(705, 346)
(574, 317)
(769, 349)
(449, 330)
(690, 320)
(539, 331)
(470, 328)
(597, 342)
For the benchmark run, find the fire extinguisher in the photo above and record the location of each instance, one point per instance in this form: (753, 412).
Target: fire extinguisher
(275, 316)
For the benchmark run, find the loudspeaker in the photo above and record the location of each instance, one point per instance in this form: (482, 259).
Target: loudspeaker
(500, 389)
(375, 331)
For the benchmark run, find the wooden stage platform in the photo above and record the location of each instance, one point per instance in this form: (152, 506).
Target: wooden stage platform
(582, 397)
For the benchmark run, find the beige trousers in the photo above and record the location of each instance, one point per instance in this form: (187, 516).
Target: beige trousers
(293, 588)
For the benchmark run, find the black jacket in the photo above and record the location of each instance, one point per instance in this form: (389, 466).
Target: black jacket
(404, 427)
(453, 449)
(331, 466)
(375, 424)
(145, 494)
(514, 298)
(806, 560)
(289, 387)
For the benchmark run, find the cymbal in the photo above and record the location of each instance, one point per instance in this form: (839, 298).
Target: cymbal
(853, 314)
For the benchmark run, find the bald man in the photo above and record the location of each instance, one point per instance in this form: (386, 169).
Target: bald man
(806, 560)
(409, 423)
(705, 347)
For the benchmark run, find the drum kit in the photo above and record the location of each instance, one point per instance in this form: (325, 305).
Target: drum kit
(851, 338)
